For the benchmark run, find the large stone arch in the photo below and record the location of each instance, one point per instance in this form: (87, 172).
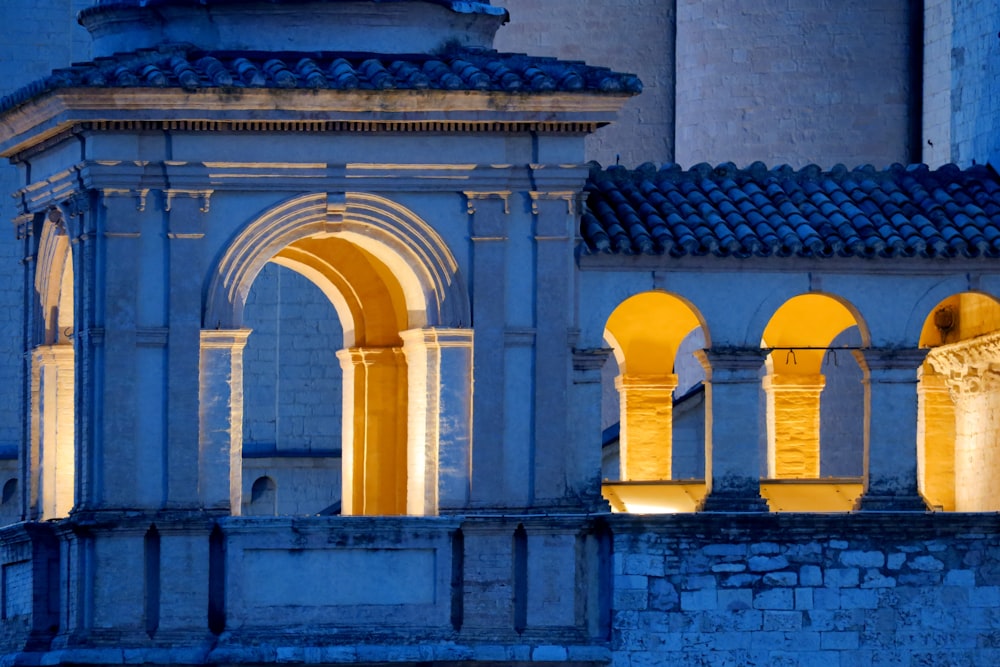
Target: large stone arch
(51, 467)
(406, 361)
(411, 248)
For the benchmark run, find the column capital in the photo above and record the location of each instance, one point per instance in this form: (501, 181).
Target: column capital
(438, 337)
(230, 339)
(628, 382)
(590, 358)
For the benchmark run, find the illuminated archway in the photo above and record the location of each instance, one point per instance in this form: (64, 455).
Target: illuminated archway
(958, 439)
(806, 339)
(645, 332)
(396, 289)
(52, 457)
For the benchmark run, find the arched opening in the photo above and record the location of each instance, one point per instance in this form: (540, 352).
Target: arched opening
(661, 443)
(813, 406)
(292, 392)
(958, 437)
(52, 428)
(263, 498)
(404, 366)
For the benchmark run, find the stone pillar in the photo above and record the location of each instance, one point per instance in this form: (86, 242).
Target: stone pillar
(585, 420)
(488, 212)
(969, 369)
(220, 419)
(52, 433)
(935, 439)
(891, 434)
(374, 454)
(793, 425)
(732, 459)
(439, 456)
(647, 403)
(555, 219)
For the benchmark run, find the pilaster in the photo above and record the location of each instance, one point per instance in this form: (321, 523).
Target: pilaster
(732, 461)
(488, 213)
(52, 433)
(439, 433)
(891, 434)
(220, 419)
(935, 438)
(555, 222)
(374, 456)
(585, 420)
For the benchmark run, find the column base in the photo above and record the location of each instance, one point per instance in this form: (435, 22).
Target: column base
(891, 503)
(733, 502)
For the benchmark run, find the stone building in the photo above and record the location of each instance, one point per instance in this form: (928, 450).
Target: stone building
(321, 301)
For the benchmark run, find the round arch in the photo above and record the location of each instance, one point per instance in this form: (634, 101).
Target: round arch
(412, 250)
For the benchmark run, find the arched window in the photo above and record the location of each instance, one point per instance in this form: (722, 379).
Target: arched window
(813, 406)
(958, 435)
(653, 335)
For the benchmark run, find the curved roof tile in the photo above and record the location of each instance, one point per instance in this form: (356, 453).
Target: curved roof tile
(461, 69)
(903, 211)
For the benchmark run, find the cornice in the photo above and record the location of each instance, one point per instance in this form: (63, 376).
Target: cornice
(279, 110)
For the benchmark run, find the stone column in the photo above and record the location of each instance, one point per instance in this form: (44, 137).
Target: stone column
(52, 432)
(585, 420)
(647, 403)
(935, 439)
(969, 369)
(439, 456)
(374, 454)
(732, 460)
(793, 425)
(891, 434)
(220, 419)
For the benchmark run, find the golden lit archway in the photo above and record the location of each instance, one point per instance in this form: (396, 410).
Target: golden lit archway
(958, 439)
(51, 490)
(800, 337)
(396, 289)
(645, 332)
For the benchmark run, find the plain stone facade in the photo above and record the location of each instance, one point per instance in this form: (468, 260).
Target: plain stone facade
(208, 458)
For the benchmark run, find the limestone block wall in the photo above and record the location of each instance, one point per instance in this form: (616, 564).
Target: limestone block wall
(975, 81)
(793, 82)
(806, 591)
(622, 34)
(292, 379)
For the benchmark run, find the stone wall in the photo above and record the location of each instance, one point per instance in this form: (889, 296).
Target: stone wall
(622, 34)
(806, 590)
(975, 82)
(793, 82)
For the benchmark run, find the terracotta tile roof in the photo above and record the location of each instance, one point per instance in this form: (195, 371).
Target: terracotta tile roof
(729, 212)
(459, 70)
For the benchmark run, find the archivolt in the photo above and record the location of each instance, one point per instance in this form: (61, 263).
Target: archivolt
(412, 249)
(54, 258)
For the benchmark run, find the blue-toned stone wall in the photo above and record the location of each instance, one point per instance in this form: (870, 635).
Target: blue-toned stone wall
(291, 376)
(806, 590)
(793, 82)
